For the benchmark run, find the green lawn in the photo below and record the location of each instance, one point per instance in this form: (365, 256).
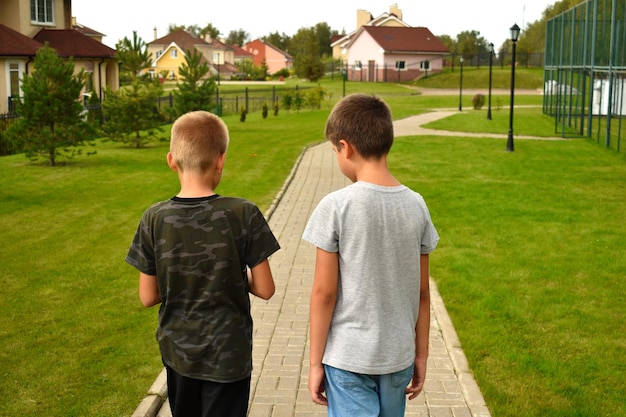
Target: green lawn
(530, 265)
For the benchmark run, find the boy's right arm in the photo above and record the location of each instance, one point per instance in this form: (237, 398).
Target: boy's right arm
(322, 306)
(261, 281)
(148, 290)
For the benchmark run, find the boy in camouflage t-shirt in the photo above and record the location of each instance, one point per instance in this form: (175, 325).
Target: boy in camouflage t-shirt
(199, 254)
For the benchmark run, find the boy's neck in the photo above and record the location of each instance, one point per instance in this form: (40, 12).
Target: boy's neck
(195, 186)
(376, 172)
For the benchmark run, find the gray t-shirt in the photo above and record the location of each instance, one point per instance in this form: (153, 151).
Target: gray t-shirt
(380, 233)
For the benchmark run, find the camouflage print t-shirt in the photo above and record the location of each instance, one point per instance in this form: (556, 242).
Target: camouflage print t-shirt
(199, 250)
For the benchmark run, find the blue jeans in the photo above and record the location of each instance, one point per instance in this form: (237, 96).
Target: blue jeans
(350, 394)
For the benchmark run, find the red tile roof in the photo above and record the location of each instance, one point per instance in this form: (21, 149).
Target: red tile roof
(241, 53)
(403, 39)
(184, 40)
(72, 43)
(87, 31)
(13, 43)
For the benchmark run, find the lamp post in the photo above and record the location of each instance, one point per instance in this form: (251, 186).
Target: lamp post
(344, 75)
(514, 37)
(461, 85)
(490, 66)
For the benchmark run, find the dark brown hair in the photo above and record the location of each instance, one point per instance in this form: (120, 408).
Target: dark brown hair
(365, 122)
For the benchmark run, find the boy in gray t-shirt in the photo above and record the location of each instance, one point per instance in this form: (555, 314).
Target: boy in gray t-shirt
(370, 303)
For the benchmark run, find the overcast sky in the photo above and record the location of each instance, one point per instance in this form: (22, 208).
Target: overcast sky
(119, 18)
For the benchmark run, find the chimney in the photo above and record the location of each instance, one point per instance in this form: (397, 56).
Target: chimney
(154, 31)
(395, 10)
(363, 17)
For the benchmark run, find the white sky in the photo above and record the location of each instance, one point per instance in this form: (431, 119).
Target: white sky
(119, 18)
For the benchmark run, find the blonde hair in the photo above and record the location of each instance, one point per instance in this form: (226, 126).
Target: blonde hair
(365, 122)
(198, 139)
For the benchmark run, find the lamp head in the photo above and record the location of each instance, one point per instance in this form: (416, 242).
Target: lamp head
(515, 30)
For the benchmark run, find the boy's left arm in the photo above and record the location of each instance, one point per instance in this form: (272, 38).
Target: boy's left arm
(422, 332)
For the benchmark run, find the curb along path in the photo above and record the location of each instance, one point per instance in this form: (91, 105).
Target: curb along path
(280, 355)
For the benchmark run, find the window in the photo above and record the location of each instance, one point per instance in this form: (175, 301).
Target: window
(15, 74)
(400, 65)
(216, 58)
(425, 65)
(174, 53)
(358, 65)
(41, 11)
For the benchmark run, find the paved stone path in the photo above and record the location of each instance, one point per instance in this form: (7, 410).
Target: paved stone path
(279, 380)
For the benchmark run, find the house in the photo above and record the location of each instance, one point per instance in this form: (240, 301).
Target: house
(241, 55)
(168, 54)
(272, 57)
(393, 54)
(386, 49)
(27, 25)
(364, 18)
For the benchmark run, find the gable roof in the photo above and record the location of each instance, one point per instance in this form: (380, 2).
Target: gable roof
(259, 42)
(184, 40)
(241, 53)
(403, 39)
(87, 31)
(72, 43)
(13, 43)
(381, 20)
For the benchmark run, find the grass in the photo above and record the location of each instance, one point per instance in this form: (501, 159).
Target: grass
(530, 264)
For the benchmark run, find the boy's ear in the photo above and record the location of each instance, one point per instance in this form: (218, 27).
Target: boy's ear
(221, 160)
(170, 162)
(349, 149)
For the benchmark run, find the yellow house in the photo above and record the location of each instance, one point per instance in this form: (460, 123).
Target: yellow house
(26, 25)
(168, 54)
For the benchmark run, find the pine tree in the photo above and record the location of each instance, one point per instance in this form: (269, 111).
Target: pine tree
(131, 114)
(51, 123)
(196, 90)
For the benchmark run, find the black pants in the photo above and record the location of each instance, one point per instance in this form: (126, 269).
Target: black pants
(196, 398)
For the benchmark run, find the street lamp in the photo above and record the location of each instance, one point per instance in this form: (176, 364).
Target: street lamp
(490, 65)
(461, 85)
(514, 37)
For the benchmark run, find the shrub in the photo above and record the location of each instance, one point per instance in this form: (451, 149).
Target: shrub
(478, 101)
(264, 110)
(242, 115)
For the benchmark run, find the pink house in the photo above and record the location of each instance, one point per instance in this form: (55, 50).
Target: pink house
(263, 52)
(393, 54)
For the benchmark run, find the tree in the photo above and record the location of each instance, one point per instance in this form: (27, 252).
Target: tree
(51, 122)
(237, 37)
(323, 35)
(133, 55)
(196, 89)
(448, 42)
(281, 41)
(306, 55)
(470, 43)
(131, 113)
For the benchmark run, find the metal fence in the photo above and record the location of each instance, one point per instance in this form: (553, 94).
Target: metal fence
(585, 71)
(224, 103)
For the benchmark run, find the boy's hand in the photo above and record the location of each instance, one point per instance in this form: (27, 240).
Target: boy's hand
(316, 385)
(417, 382)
